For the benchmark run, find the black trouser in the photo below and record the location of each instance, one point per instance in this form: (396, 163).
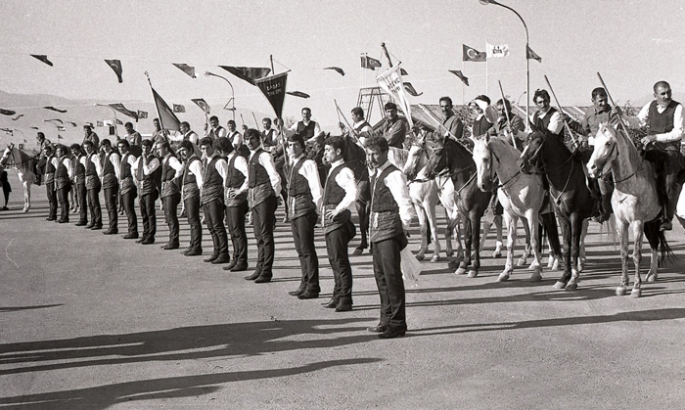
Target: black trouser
(263, 219)
(52, 200)
(668, 166)
(82, 200)
(111, 195)
(94, 206)
(214, 218)
(147, 213)
(362, 205)
(303, 235)
(387, 269)
(170, 213)
(63, 199)
(192, 206)
(128, 201)
(336, 245)
(235, 216)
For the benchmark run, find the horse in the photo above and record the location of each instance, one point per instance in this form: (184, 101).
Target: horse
(24, 163)
(471, 201)
(520, 194)
(569, 193)
(634, 201)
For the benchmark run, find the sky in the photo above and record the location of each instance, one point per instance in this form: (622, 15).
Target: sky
(632, 44)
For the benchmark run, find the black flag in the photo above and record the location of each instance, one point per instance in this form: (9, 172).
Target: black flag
(274, 90)
(116, 66)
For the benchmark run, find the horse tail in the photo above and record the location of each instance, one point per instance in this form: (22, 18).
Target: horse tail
(657, 240)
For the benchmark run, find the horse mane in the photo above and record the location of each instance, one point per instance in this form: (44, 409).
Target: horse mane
(506, 144)
(633, 155)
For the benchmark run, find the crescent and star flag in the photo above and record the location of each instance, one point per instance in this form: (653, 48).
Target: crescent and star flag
(142, 114)
(167, 118)
(471, 54)
(17, 117)
(202, 104)
(298, 94)
(179, 108)
(273, 89)
(42, 58)
(55, 109)
(532, 55)
(7, 112)
(461, 76)
(249, 74)
(496, 51)
(391, 82)
(186, 69)
(116, 66)
(371, 63)
(120, 108)
(410, 89)
(338, 69)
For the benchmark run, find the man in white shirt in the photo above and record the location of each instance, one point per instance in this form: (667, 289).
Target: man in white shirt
(212, 197)
(147, 173)
(91, 163)
(110, 184)
(547, 117)
(64, 171)
(190, 191)
(235, 200)
(132, 136)
(307, 128)
(127, 187)
(172, 169)
(215, 131)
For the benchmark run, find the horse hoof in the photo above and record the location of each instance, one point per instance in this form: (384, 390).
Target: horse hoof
(460, 271)
(521, 262)
(435, 258)
(571, 286)
(453, 264)
(536, 277)
(581, 264)
(651, 277)
(555, 265)
(503, 277)
(559, 285)
(420, 257)
(25, 210)
(550, 263)
(473, 273)
(449, 254)
(620, 291)
(636, 293)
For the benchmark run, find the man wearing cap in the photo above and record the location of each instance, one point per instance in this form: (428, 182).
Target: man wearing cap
(63, 173)
(90, 135)
(172, 169)
(190, 191)
(127, 188)
(92, 165)
(79, 175)
(235, 199)
(264, 187)
(212, 196)
(304, 199)
(147, 174)
(110, 184)
(215, 130)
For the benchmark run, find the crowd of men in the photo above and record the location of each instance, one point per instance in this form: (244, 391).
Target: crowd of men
(227, 175)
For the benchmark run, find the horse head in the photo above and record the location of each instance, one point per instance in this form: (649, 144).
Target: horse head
(530, 157)
(605, 150)
(485, 167)
(437, 160)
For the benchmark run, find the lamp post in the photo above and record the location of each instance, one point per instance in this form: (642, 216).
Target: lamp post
(232, 100)
(485, 3)
(518, 100)
(115, 116)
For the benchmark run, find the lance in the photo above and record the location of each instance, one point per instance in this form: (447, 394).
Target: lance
(561, 111)
(504, 103)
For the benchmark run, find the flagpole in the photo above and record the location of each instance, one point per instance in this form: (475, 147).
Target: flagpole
(463, 86)
(256, 124)
(486, 67)
(161, 123)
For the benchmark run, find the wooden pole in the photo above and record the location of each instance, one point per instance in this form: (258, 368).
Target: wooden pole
(613, 103)
(561, 111)
(504, 103)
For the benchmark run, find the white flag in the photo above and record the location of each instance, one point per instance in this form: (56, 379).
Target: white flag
(391, 82)
(496, 51)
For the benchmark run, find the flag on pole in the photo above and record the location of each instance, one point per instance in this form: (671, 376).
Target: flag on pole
(371, 63)
(273, 89)
(338, 69)
(410, 89)
(51, 108)
(202, 104)
(61, 128)
(34, 128)
(167, 118)
(461, 76)
(532, 55)
(496, 50)
(142, 114)
(120, 108)
(186, 69)
(299, 94)
(391, 82)
(471, 54)
(73, 124)
(7, 112)
(116, 66)
(42, 58)
(249, 74)
(179, 108)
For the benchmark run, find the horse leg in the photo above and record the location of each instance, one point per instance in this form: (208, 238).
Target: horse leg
(448, 237)
(468, 241)
(459, 255)
(566, 236)
(549, 222)
(511, 244)
(475, 232)
(583, 233)
(638, 234)
(653, 236)
(27, 196)
(532, 219)
(576, 233)
(429, 206)
(424, 231)
(486, 230)
(622, 230)
(526, 250)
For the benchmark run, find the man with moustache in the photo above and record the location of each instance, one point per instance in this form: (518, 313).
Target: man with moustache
(235, 199)
(80, 183)
(110, 184)
(215, 131)
(128, 189)
(92, 165)
(63, 173)
(214, 174)
(49, 178)
(147, 175)
(172, 169)
(190, 191)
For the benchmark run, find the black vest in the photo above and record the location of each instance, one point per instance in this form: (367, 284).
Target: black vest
(333, 194)
(385, 222)
(306, 131)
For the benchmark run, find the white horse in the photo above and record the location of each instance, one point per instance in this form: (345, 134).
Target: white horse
(23, 162)
(634, 201)
(521, 195)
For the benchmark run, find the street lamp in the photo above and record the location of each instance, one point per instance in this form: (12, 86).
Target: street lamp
(115, 116)
(485, 3)
(232, 100)
(518, 100)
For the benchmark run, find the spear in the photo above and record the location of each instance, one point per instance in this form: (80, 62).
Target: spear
(613, 103)
(506, 112)
(561, 111)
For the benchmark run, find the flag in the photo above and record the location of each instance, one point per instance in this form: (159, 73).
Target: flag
(51, 108)
(55, 120)
(118, 121)
(142, 114)
(17, 117)
(471, 54)
(116, 66)
(338, 69)
(202, 104)
(532, 55)
(167, 118)
(370, 63)
(461, 76)
(496, 51)
(410, 89)
(7, 112)
(34, 128)
(61, 128)
(42, 58)
(404, 72)
(179, 108)
(73, 124)
(298, 94)
(120, 108)
(391, 82)
(59, 137)
(249, 74)
(186, 69)
(7, 130)
(100, 123)
(273, 89)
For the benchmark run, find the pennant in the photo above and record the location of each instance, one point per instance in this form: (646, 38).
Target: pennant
(118, 121)
(73, 124)
(34, 128)
(391, 82)
(142, 114)
(7, 112)
(461, 76)
(167, 118)
(179, 108)
(186, 69)
(7, 130)
(298, 94)
(100, 123)
(116, 66)
(59, 137)
(273, 89)
(61, 128)
(24, 141)
(17, 117)
(404, 72)
(120, 108)
(338, 69)
(51, 108)
(202, 104)
(532, 55)
(249, 74)
(55, 120)
(471, 54)
(410, 89)
(371, 63)
(496, 51)
(42, 58)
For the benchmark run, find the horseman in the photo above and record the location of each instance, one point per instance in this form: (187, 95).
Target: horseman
(395, 132)
(547, 117)
(507, 123)
(451, 125)
(484, 115)
(663, 118)
(363, 131)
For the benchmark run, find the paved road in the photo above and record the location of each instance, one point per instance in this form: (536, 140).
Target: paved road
(89, 321)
